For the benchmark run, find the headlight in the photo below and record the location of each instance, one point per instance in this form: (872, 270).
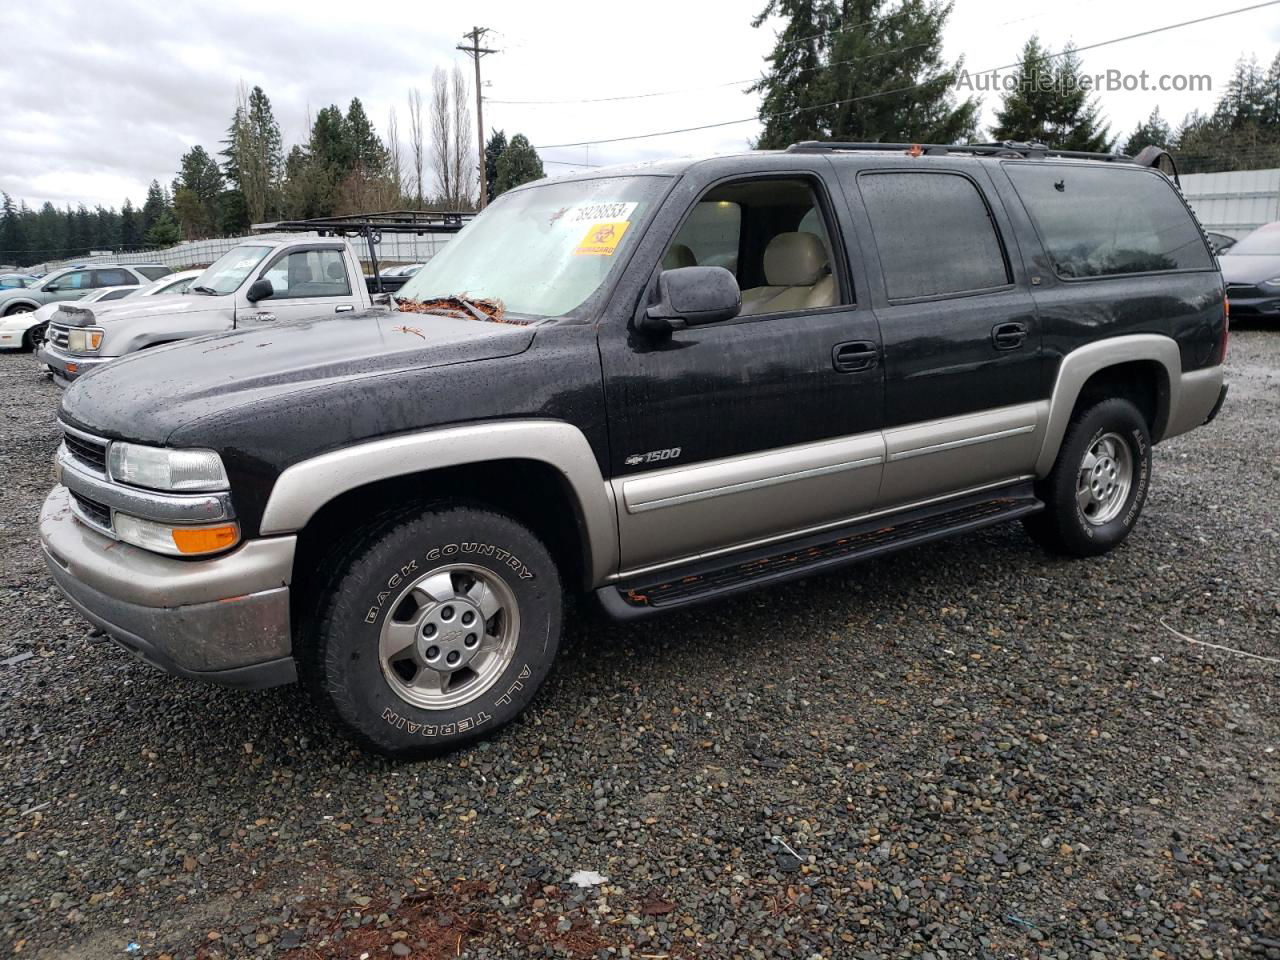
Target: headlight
(1273, 282)
(84, 341)
(162, 469)
(178, 541)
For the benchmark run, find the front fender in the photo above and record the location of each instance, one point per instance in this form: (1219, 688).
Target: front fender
(305, 487)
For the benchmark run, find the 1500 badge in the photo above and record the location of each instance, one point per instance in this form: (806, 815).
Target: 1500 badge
(653, 456)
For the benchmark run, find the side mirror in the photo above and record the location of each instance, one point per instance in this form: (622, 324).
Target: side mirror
(52, 288)
(691, 297)
(259, 290)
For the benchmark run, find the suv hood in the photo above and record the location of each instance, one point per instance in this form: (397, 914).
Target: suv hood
(146, 396)
(1243, 268)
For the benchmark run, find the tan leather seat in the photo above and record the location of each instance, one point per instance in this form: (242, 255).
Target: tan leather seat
(797, 276)
(678, 255)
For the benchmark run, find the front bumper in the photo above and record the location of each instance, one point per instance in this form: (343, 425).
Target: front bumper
(225, 620)
(67, 367)
(1255, 306)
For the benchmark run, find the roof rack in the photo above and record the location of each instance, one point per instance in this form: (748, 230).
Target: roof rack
(372, 226)
(1009, 148)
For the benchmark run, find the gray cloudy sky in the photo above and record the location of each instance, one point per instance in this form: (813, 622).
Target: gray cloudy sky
(103, 96)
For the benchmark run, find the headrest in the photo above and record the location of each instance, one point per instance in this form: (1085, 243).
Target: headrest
(334, 270)
(794, 260)
(679, 256)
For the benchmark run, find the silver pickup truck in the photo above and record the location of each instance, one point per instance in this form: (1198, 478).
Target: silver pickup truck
(259, 281)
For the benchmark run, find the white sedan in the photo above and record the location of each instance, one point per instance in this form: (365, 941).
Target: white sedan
(25, 331)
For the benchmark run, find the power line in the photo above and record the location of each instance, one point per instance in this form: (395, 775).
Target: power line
(713, 86)
(738, 83)
(914, 86)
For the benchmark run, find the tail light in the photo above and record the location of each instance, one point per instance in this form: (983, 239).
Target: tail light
(1226, 329)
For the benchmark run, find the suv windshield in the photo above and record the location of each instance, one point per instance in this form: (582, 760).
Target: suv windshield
(1265, 241)
(227, 272)
(540, 251)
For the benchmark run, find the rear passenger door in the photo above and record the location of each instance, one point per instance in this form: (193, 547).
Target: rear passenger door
(961, 338)
(311, 282)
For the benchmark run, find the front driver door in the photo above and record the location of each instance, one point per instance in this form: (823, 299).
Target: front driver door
(69, 286)
(311, 282)
(751, 429)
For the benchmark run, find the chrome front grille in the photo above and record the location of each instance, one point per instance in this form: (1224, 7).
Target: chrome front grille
(58, 335)
(87, 449)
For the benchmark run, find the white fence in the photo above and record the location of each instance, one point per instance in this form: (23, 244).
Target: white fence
(1235, 203)
(394, 248)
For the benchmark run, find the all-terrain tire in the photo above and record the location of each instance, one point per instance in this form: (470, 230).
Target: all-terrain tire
(1075, 522)
(384, 570)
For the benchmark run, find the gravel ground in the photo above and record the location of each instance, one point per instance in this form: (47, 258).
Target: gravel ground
(968, 750)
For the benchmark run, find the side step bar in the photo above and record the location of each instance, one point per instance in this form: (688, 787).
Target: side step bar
(703, 581)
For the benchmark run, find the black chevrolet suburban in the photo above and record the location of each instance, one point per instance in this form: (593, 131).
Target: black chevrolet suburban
(660, 385)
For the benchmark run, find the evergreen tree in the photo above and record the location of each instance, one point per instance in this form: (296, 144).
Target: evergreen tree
(331, 142)
(164, 232)
(888, 77)
(1154, 131)
(518, 164)
(796, 78)
(156, 204)
(492, 151)
(254, 154)
(195, 193)
(860, 70)
(233, 213)
(130, 227)
(369, 156)
(49, 234)
(1050, 104)
(13, 234)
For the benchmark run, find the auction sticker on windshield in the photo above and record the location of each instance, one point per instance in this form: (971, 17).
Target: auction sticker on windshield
(602, 238)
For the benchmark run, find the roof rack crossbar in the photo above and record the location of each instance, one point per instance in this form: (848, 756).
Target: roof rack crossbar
(1008, 148)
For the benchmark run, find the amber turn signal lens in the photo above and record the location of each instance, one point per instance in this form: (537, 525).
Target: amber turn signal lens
(205, 539)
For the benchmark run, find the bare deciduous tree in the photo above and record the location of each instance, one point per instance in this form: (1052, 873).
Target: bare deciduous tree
(442, 136)
(463, 155)
(395, 162)
(417, 144)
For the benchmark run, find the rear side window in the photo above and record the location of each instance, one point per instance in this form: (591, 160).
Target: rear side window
(114, 277)
(154, 273)
(1103, 222)
(934, 233)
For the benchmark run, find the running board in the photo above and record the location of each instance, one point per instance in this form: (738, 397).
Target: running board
(702, 581)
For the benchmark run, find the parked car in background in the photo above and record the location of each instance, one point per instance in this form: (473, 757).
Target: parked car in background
(72, 283)
(1220, 241)
(392, 279)
(25, 330)
(1252, 272)
(256, 282)
(13, 281)
(393, 505)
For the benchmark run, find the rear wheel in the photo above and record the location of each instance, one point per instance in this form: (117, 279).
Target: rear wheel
(1098, 485)
(435, 629)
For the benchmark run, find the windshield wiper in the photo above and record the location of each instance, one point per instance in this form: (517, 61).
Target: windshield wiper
(203, 289)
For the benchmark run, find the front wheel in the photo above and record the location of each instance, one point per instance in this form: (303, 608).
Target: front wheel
(1098, 485)
(434, 629)
(34, 337)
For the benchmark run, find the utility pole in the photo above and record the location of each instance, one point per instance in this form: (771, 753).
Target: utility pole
(475, 51)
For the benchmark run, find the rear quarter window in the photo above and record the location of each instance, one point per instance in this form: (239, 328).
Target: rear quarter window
(154, 273)
(1105, 221)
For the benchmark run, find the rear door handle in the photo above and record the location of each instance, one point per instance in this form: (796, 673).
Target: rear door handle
(854, 355)
(1008, 336)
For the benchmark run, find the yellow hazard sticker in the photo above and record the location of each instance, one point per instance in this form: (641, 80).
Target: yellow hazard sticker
(602, 239)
